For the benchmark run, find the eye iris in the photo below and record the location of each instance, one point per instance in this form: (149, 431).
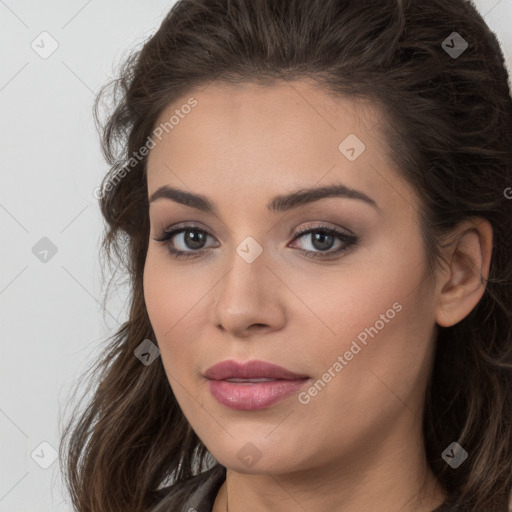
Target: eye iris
(193, 237)
(321, 237)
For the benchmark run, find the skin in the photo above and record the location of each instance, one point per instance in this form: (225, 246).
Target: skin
(357, 445)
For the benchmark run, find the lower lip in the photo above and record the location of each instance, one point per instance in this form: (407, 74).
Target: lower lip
(252, 396)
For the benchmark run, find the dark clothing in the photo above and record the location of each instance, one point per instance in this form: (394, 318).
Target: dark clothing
(202, 490)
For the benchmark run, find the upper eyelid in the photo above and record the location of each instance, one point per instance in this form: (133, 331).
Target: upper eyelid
(193, 225)
(296, 233)
(347, 240)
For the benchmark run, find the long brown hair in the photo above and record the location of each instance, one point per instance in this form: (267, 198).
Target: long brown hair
(449, 130)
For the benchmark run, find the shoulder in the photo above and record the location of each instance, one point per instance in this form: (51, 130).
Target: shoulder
(197, 492)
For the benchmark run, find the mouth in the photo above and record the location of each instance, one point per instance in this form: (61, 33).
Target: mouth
(250, 380)
(252, 385)
(250, 371)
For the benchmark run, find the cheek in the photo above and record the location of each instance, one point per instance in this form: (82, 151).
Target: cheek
(377, 320)
(175, 299)
(364, 295)
(385, 348)
(158, 295)
(170, 292)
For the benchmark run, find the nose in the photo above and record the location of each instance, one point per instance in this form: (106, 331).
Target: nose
(249, 298)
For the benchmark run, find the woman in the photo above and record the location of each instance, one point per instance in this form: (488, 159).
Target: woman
(312, 200)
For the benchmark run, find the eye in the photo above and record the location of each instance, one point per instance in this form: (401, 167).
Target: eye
(191, 237)
(323, 240)
(191, 241)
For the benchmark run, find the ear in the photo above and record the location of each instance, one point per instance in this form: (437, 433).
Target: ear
(462, 283)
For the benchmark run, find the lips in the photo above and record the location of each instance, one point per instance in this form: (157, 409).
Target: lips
(252, 385)
(255, 371)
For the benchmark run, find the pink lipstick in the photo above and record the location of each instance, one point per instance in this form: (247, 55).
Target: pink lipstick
(252, 385)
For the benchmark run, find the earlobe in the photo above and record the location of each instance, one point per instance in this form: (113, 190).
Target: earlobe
(463, 282)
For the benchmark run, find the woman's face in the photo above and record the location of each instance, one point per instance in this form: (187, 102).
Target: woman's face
(353, 316)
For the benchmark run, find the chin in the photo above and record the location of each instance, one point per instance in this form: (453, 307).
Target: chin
(251, 461)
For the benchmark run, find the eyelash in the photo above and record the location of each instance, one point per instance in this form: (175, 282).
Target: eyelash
(349, 241)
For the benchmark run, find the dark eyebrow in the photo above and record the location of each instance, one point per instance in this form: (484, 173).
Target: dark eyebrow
(280, 203)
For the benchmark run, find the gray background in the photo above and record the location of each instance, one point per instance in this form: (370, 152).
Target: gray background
(52, 318)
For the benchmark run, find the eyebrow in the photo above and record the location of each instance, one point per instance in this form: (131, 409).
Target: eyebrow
(280, 203)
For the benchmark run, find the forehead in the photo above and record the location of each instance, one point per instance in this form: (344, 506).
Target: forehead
(284, 135)
(260, 112)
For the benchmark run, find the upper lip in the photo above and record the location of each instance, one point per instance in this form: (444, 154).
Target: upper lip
(231, 369)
